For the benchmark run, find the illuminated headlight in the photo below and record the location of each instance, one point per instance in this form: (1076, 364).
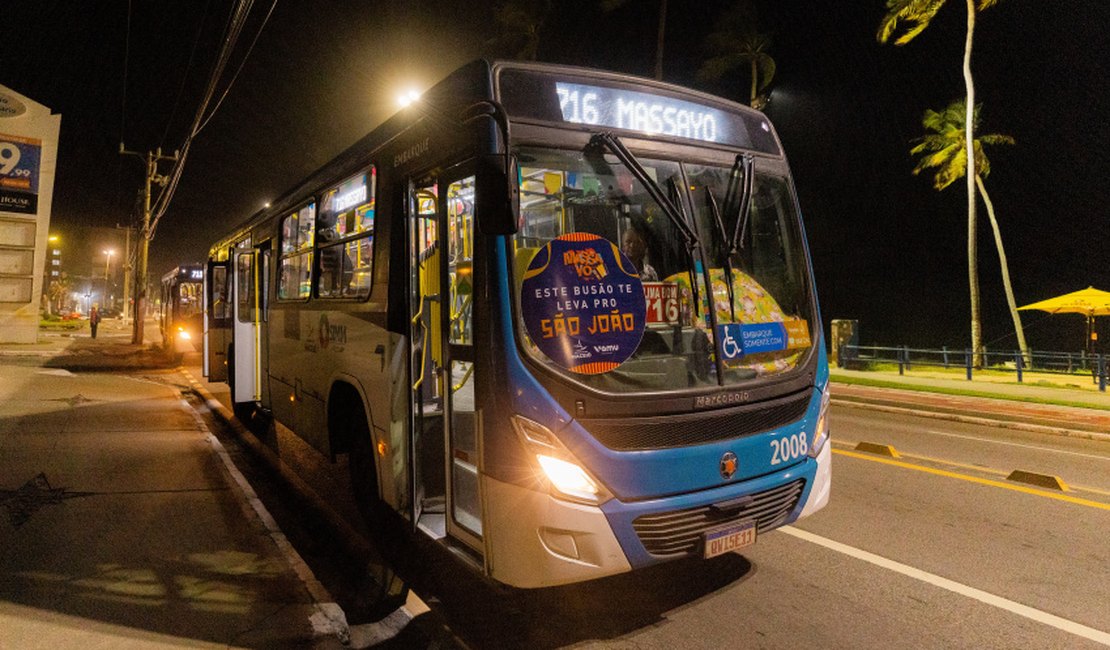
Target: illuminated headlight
(567, 478)
(182, 334)
(821, 432)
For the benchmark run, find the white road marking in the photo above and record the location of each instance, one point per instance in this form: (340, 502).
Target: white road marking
(1025, 611)
(1017, 444)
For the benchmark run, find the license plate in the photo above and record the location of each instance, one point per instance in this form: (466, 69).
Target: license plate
(729, 539)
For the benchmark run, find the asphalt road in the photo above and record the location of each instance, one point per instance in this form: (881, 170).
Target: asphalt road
(933, 549)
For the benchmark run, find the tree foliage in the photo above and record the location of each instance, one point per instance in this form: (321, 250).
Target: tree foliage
(943, 148)
(520, 23)
(737, 43)
(913, 16)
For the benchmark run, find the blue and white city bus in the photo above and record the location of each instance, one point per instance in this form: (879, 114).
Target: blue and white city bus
(560, 320)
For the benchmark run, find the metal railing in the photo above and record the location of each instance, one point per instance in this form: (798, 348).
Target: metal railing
(1097, 366)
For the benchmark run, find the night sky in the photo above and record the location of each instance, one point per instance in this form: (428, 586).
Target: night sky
(887, 248)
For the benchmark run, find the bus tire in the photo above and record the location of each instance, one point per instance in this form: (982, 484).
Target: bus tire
(361, 465)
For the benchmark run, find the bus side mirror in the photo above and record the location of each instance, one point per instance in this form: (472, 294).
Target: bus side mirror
(497, 195)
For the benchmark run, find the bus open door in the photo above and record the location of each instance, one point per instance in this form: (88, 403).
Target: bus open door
(245, 380)
(217, 321)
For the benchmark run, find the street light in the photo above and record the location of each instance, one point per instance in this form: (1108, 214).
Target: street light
(107, 263)
(407, 97)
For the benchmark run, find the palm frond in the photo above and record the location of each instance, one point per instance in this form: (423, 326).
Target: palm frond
(914, 15)
(944, 145)
(766, 70)
(717, 67)
(996, 138)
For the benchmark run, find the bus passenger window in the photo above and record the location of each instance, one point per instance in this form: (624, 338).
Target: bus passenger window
(245, 288)
(295, 270)
(345, 238)
(460, 257)
(219, 293)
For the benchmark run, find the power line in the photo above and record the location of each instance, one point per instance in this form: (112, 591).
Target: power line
(236, 23)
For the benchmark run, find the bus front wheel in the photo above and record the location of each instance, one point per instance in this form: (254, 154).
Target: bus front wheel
(360, 461)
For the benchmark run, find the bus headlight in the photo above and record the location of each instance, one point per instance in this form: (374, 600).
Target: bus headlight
(821, 431)
(182, 334)
(566, 476)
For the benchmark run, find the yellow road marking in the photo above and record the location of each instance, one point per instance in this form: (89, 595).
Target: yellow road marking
(975, 479)
(977, 468)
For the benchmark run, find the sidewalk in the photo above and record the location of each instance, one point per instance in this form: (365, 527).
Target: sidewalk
(1060, 404)
(77, 351)
(121, 525)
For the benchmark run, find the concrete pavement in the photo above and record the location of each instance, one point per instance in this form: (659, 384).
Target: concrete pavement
(121, 525)
(124, 528)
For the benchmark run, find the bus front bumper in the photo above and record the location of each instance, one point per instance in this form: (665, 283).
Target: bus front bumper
(535, 540)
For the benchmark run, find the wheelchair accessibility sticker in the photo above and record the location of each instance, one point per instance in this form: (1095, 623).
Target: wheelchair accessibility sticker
(739, 339)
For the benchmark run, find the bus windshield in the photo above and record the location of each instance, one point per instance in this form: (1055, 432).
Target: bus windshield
(760, 287)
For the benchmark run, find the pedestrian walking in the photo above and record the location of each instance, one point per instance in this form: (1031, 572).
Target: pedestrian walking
(94, 319)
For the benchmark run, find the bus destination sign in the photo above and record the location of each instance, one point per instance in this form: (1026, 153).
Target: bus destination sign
(598, 103)
(638, 111)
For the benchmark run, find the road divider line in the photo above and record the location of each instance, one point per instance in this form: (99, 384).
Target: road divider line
(1016, 444)
(1006, 604)
(1072, 487)
(975, 479)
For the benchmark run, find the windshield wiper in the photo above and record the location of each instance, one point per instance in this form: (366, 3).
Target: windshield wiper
(614, 145)
(744, 163)
(712, 203)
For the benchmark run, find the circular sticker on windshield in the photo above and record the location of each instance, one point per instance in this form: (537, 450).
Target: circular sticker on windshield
(583, 303)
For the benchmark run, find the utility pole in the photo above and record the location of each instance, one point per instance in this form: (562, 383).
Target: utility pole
(152, 158)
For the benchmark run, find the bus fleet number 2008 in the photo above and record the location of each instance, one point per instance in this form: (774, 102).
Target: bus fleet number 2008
(787, 448)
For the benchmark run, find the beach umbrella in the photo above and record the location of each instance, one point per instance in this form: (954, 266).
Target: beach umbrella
(1090, 302)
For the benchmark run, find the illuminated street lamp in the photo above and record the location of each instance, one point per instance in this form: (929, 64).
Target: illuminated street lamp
(407, 98)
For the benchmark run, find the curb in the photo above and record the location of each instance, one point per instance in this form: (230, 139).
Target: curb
(329, 618)
(970, 419)
(354, 636)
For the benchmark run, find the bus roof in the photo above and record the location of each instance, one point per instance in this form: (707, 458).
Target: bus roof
(542, 93)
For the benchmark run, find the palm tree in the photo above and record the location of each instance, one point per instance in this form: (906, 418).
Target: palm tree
(520, 23)
(56, 291)
(918, 14)
(736, 45)
(943, 148)
(660, 32)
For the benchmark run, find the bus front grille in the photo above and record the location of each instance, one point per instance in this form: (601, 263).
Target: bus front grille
(673, 534)
(660, 432)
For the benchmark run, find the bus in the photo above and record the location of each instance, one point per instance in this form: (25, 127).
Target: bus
(561, 321)
(180, 311)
